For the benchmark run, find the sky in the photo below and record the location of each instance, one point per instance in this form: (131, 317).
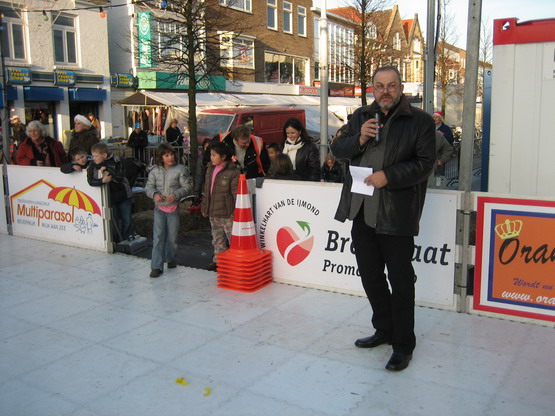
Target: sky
(491, 9)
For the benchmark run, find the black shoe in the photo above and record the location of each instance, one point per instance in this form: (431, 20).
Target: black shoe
(372, 341)
(212, 267)
(398, 361)
(155, 272)
(172, 265)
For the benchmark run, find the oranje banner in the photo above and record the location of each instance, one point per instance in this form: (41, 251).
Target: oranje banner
(515, 257)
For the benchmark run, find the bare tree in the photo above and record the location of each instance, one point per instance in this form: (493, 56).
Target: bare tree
(448, 68)
(193, 40)
(372, 47)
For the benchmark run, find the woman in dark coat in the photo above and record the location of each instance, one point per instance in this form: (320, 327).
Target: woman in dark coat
(175, 138)
(84, 134)
(302, 151)
(173, 134)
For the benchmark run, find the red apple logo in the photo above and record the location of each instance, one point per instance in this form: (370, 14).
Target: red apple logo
(293, 248)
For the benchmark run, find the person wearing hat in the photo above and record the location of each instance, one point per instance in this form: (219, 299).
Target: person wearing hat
(18, 129)
(83, 134)
(138, 140)
(442, 127)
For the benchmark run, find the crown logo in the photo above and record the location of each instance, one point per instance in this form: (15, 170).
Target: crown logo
(509, 229)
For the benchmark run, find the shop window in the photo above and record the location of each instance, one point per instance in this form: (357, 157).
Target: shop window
(13, 40)
(286, 72)
(65, 39)
(44, 112)
(287, 17)
(299, 71)
(237, 51)
(282, 69)
(243, 5)
(272, 14)
(301, 20)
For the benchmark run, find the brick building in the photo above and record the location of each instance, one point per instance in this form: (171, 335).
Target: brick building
(277, 34)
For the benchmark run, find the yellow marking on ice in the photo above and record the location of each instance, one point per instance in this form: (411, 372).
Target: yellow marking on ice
(181, 381)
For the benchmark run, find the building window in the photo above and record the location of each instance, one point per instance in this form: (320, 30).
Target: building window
(272, 14)
(341, 54)
(397, 41)
(283, 69)
(169, 41)
(13, 42)
(416, 45)
(316, 36)
(287, 17)
(243, 5)
(371, 31)
(237, 51)
(301, 20)
(65, 39)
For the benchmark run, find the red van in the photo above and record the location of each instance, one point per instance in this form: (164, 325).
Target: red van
(266, 122)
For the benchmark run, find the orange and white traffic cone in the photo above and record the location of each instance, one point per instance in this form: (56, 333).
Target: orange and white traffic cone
(244, 266)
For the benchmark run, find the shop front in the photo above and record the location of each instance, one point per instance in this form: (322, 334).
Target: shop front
(54, 98)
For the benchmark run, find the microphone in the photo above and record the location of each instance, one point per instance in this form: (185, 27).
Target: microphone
(377, 137)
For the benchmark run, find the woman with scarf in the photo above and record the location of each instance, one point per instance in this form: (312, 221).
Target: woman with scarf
(302, 151)
(40, 150)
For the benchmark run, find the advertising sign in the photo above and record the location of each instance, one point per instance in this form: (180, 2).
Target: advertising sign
(515, 257)
(295, 220)
(172, 81)
(64, 78)
(123, 80)
(305, 90)
(49, 205)
(20, 76)
(145, 48)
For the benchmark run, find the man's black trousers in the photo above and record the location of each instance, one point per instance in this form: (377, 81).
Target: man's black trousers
(393, 311)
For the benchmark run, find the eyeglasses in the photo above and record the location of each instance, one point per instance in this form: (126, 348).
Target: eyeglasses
(382, 88)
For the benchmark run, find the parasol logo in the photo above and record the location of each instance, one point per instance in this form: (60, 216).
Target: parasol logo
(295, 248)
(31, 208)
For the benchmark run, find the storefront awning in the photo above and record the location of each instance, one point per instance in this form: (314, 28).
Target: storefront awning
(87, 94)
(43, 94)
(11, 93)
(145, 99)
(177, 99)
(214, 99)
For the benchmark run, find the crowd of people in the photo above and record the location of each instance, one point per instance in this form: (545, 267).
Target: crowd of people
(400, 145)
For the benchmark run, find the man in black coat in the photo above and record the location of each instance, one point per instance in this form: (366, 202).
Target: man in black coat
(138, 140)
(401, 156)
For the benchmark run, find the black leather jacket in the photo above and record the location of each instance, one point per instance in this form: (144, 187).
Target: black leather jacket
(307, 161)
(410, 156)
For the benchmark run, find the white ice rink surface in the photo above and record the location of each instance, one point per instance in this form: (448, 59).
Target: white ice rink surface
(85, 333)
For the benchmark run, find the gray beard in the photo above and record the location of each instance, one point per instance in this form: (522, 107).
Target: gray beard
(390, 106)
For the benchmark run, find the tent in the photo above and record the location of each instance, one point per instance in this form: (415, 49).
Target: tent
(178, 103)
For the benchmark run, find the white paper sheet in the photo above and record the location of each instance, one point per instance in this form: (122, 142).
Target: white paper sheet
(359, 174)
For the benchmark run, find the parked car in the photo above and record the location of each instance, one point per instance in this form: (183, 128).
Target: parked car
(266, 122)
